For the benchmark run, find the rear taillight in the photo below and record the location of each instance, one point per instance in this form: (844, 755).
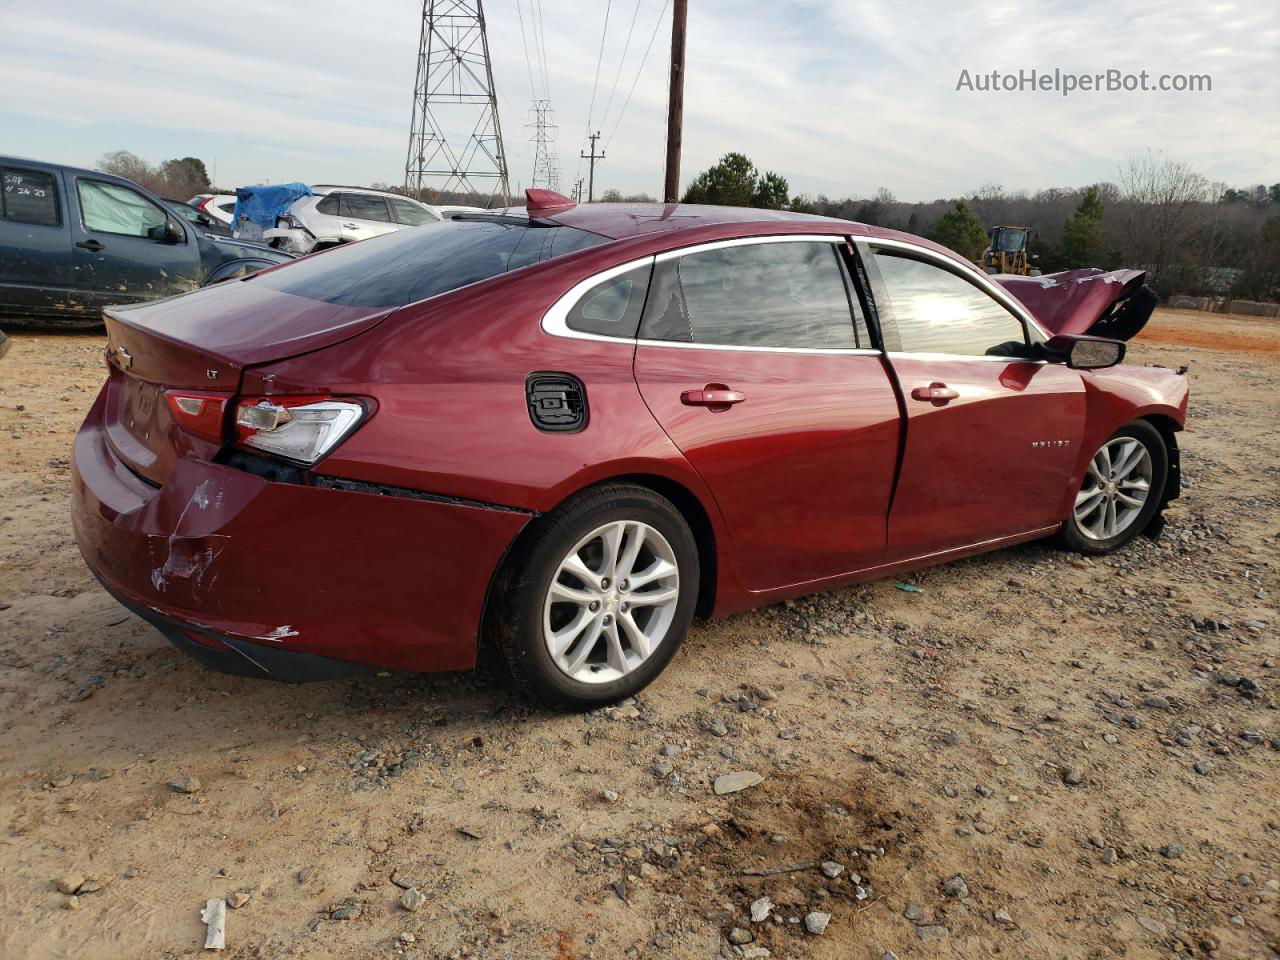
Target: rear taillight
(198, 413)
(299, 428)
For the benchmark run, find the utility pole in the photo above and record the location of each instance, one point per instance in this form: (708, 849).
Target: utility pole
(675, 106)
(577, 190)
(591, 171)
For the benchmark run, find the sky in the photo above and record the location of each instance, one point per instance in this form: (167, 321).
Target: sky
(840, 97)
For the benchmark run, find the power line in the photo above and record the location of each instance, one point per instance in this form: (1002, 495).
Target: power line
(599, 59)
(604, 117)
(533, 90)
(540, 42)
(643, 60)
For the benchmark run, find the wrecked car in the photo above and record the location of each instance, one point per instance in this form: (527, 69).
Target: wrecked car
(73, 241)
(324, 216)
(566, 433)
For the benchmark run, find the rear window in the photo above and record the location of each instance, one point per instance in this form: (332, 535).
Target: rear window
(411, 265)
(362, 207)
(412, 214)
(28, 197)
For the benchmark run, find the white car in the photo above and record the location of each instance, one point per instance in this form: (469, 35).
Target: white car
(220, 206)
(343, 214)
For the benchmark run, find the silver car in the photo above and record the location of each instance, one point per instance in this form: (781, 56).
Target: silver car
(343, 214)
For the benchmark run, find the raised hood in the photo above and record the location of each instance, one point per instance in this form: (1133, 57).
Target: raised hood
(1101, 303)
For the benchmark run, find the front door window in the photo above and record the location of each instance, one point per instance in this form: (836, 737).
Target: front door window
(111, 208)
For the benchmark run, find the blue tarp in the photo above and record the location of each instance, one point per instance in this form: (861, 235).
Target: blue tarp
(261, 205)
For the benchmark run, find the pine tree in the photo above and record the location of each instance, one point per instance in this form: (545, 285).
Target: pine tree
(1082, 235)
(960, 230)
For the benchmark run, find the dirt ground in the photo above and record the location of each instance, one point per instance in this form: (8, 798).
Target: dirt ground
(1090, 745)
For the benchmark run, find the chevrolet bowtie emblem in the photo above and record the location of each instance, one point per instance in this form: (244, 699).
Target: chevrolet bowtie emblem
(124, 358)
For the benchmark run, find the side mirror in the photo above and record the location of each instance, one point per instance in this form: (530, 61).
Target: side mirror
(173, 233)
(1085, 353)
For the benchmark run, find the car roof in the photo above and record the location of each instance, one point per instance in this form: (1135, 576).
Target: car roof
(321, 189)
(620, 221)
(640, 228)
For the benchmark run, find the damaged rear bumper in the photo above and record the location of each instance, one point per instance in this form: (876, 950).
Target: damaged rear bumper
(249, 574)
(241, 658)
(297, 240)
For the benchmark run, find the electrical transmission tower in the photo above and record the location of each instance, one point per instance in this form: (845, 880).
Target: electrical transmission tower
(455, 140)
(546, 166)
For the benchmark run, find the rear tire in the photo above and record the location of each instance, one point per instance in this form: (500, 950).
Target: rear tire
(579, 628)
(1122, 489)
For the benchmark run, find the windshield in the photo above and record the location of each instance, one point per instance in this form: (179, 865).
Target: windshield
(410, 265)
(1011, 241)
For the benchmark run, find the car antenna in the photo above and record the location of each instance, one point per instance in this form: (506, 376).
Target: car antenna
(541, 202)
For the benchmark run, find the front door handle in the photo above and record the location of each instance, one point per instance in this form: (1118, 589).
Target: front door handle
(937, 393)
(713, 395)
(92, 245)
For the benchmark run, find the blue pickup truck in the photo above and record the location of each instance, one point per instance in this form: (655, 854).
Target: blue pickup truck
(74, 241)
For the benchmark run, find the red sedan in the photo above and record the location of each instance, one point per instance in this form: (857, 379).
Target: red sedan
(570, 432)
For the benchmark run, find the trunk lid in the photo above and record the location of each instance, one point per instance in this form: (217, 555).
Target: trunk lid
(201, 342)
(1101, 303)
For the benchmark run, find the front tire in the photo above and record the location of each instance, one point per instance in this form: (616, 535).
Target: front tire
(1122, 489)
(598, 600)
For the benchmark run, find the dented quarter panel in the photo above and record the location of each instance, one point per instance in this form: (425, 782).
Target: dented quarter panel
(397, 594)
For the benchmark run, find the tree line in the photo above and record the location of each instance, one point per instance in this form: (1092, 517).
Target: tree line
(179, 179)
(1159, 214)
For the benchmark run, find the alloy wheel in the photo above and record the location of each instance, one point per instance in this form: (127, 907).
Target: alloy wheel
(611, 602)
(1115, 489)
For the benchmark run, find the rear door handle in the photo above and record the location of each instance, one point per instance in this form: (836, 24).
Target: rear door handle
(350, 226)
(936, 393)
(93, 245)
(712, 397)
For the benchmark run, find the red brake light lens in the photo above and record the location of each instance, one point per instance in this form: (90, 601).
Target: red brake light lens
(198, 413)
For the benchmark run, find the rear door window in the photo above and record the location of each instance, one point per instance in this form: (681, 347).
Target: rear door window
(29, 197)
(112, 208)
(410, 265)
(359, 206)
(612, 308)
(791, 294)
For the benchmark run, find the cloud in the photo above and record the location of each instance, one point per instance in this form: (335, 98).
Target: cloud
(840, 98)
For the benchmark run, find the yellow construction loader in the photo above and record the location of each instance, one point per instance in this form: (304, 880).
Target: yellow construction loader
(1007, 251)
